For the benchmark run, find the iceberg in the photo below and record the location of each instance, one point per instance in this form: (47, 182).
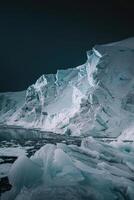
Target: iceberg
(94, 99)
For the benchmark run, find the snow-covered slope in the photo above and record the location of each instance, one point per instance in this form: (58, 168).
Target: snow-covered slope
(96, 98)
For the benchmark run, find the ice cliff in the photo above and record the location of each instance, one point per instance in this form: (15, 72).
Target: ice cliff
(96, 98)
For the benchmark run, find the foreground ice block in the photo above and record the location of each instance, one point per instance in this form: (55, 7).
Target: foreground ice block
(96, 171)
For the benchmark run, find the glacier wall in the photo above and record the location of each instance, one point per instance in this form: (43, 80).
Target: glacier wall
(96, 98)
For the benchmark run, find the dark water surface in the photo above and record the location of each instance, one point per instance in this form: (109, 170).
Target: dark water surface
(15, 136)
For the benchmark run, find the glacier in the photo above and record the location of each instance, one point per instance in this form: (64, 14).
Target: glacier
(94, 99)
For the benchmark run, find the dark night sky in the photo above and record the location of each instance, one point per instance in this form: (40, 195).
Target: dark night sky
(39, 37)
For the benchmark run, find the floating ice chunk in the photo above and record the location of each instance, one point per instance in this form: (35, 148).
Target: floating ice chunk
(66, 168)
(24, 172)
(44, 157)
